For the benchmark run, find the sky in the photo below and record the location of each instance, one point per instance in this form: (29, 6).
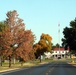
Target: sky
(42, 16)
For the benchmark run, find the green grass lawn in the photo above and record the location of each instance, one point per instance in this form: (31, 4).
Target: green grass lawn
(26, 64)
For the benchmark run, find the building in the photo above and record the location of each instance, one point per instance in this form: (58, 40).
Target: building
(60, 53)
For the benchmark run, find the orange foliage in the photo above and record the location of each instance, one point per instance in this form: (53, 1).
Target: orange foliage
(15, 34)
(43, 45)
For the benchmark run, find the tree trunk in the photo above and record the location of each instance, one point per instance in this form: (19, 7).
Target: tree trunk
(9, 61)
(14, 60)
(21, 63)
(40, 58)
(0, 61)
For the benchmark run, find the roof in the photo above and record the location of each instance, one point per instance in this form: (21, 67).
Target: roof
(57, 49)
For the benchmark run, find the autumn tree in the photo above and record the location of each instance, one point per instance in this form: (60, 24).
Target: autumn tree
(2, 26)
(47, 38)
(43, 45)
(25, 46)
(16, 41)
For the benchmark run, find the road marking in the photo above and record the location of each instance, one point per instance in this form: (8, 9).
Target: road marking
(46, 73)
(51, 69)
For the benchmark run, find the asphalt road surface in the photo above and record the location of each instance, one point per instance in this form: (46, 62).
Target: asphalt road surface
(53, 68)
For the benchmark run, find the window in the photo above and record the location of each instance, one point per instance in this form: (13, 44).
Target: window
(56, 52)
(63, 52)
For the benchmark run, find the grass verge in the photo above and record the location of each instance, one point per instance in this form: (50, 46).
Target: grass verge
(25, 65)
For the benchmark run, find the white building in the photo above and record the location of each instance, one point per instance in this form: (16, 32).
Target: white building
(59, 53)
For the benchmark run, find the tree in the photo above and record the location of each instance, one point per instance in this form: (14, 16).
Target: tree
(16, 41)
(69, 39)
(2, 26)
(57, 45)
(25, 46)
(43, 45)
(47, 40)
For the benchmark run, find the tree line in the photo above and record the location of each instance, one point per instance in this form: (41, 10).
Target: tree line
(17, 42)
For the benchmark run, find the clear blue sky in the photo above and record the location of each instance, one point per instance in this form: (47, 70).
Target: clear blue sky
(42, 16)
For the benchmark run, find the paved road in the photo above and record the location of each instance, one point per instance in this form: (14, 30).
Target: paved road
(54, 68)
